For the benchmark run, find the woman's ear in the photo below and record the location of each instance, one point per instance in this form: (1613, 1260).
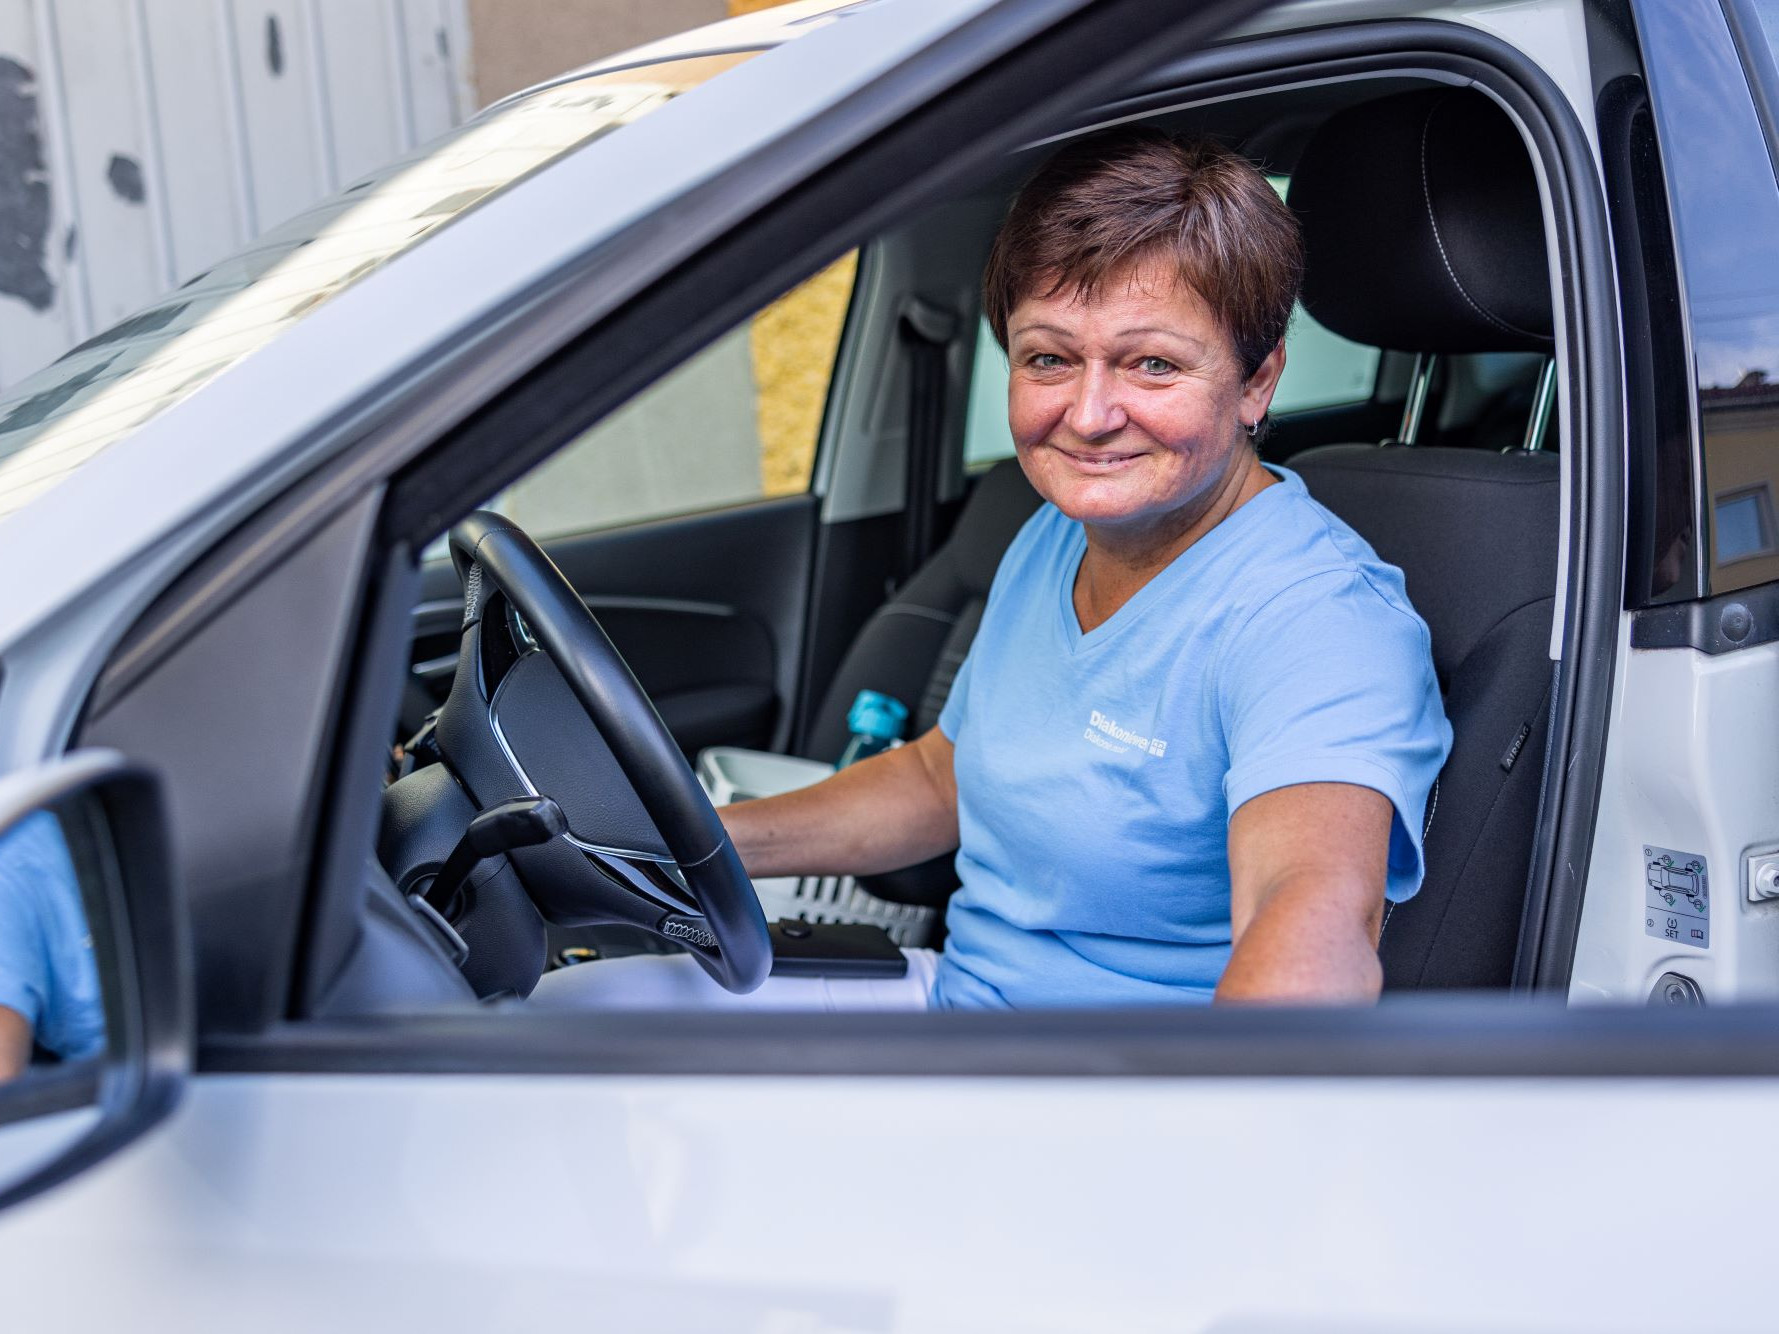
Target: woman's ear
(1258, 391)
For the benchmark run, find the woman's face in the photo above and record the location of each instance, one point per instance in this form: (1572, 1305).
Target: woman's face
(1130, 411)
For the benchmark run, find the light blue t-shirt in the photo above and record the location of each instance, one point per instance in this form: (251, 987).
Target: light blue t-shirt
(47, 973)
(1096, 773)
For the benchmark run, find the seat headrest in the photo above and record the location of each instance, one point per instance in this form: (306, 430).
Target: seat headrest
(1422, 226)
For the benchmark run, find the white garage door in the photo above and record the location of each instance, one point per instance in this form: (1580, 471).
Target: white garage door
(141, 140)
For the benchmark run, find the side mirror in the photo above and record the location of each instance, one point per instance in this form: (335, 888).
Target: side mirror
(95, 972)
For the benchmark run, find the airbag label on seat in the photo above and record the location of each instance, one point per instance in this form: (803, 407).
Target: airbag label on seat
(1677, 900)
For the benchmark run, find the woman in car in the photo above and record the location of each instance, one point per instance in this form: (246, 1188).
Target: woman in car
(1190, 751)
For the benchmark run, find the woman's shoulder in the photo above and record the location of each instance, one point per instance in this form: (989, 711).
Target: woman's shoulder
(1303, 553)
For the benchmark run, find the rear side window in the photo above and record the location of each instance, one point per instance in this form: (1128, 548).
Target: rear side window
(736, 423)
(986, 437)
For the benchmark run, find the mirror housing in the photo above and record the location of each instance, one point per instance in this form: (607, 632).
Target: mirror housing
(114, 823)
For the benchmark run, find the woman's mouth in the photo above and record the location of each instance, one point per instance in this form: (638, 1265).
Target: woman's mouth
(1099, 461)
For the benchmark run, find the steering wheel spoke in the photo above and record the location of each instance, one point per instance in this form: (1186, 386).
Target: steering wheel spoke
(543, 705)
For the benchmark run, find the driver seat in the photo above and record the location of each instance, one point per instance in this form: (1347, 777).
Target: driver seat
(1424, 232)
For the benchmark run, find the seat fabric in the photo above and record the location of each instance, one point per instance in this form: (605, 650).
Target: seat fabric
(1475, 535)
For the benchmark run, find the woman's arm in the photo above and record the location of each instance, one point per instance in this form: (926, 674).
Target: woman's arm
(1307, 868)
(892, 810)
(15, 1043)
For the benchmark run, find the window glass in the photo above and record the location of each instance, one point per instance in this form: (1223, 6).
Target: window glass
(986, 437)
(1322, 369)
(738, 422)
(1744, 524)
(1766, 13)
(94, 395)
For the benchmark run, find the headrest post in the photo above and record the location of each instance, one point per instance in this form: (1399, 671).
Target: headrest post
(1544, 398)
(1420, 380)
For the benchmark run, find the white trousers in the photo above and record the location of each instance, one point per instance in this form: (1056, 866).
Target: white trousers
(676, 982)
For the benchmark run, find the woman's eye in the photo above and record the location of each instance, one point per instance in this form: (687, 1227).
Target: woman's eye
(1044, 361)
(1155, 365)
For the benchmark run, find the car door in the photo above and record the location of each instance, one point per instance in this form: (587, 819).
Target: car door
(1678, 896)
(476, 1168)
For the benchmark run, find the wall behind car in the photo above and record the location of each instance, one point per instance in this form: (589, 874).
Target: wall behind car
(141, 140)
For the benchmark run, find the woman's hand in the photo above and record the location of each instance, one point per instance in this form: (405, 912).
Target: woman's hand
(880, 814)
(1307, 867)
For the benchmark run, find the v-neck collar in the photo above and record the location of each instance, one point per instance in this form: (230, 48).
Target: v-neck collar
(1180, 567)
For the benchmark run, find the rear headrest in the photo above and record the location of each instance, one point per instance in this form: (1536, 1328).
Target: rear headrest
(1422, 227)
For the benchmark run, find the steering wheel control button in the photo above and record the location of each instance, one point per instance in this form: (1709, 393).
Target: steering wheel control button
(1676, 898)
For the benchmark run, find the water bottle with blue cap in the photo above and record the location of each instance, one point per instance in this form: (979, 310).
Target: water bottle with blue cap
(876, 722)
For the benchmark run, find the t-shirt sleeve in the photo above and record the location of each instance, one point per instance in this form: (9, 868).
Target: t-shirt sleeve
(24, 959)
(1328, 682)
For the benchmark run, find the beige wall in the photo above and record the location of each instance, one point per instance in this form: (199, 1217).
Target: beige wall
(517, 43)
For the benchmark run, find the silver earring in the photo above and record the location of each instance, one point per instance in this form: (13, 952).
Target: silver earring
(1253, 427)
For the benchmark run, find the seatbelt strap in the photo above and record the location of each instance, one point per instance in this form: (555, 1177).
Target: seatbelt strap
(927, 332)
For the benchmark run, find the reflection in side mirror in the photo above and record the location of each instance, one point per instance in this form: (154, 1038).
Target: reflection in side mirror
(51, 1009)
(94, 980)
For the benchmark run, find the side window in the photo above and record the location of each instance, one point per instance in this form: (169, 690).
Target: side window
(1322, 369)
(986, 437)
(736, 423)
(1755, 24)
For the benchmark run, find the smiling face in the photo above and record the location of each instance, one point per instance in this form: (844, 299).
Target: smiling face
(1129, 408)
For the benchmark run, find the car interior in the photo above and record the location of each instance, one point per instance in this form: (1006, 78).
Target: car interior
(755, 625)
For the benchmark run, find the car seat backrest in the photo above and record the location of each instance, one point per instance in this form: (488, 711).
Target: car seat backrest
(1474, 534)
(1423, 232)
(913, 645)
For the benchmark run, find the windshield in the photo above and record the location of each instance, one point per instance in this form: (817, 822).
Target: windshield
(73, 409)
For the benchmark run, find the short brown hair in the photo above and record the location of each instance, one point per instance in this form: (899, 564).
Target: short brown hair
(1128, 195)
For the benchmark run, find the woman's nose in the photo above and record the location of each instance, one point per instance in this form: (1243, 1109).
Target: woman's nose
(1095, 410)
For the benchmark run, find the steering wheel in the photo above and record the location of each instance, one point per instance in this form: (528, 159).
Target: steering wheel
(543, 705)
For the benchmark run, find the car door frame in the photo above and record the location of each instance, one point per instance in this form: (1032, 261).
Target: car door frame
(726, 280)
(739, 268)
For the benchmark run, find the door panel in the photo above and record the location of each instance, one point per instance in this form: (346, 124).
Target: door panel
(685, 1204)
(708, 610)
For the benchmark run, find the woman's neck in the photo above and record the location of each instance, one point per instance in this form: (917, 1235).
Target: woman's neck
(1119, 561)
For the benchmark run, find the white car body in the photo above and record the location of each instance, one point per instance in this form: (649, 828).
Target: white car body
(1578, 1197)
